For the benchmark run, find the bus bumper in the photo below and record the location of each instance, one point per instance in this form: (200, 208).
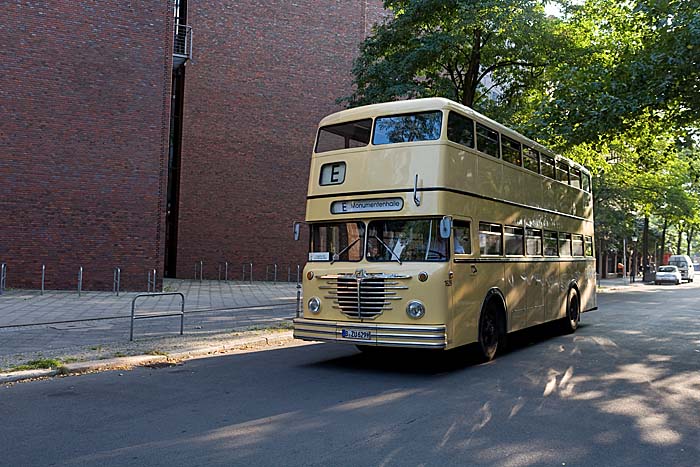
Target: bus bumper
(386, 335)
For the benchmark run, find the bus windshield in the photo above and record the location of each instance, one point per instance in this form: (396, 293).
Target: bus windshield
(405, 240)
(337, 242)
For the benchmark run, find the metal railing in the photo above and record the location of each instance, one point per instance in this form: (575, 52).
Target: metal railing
(134, 316)
(182, 43)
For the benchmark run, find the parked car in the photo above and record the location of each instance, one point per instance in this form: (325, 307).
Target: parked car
(696, 267)
(668, 274)
(684, 264)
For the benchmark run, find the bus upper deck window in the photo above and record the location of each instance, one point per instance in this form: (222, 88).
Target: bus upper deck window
(460, 129)
(586, 182)
(510, 149)
(486, 140)
(423, 126)
(531, 159)
(562, 171)
(575, 177)
(547, 164)
(344, 135)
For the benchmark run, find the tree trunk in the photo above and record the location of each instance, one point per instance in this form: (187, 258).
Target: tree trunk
(660, 259)
(678, 243)
(471, 81)
(691, 232)
(646, 274)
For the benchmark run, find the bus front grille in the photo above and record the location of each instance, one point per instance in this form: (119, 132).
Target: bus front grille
(363, 295)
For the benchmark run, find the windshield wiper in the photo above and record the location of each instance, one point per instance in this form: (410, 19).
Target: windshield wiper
(336, 256)
(388, 249)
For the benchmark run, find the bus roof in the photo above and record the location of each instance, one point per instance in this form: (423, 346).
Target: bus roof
(431, 103)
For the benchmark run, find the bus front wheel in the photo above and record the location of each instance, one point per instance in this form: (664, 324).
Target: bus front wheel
(491, 332)
(573, 312)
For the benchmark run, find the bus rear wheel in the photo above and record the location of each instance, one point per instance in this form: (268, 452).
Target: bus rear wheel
(573, 312)
(491, 335)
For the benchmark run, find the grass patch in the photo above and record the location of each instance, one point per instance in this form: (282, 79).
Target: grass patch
(45, 363)
(120, 354)
(156, 352)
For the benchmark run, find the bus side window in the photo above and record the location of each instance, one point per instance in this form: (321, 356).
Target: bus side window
(460, 129)
(547, 164)
(577, 244)
(514, 240)
(588, 242)
(564, 244)
(486, 140)
(462, 238)
(586, 182)
(510, 149)
(575, 177)
(551, 247)
(563, 172)
(490, 239)
(533, 242)
(531, 159)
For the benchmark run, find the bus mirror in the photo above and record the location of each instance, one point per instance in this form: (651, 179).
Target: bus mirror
(297, 229)
(446, 227)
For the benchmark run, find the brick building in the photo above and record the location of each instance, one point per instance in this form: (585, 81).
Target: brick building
(123, 144)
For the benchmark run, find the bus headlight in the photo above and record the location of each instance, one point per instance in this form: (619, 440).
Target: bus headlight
(314, 305)
(415, 309)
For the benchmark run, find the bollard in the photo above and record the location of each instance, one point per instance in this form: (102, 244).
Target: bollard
(152, 284)
(116, 279)
(298, 271)
(275, 272)
(43, 277)
(3, 277)
(80, 281)
(226, 271)
(251, 272)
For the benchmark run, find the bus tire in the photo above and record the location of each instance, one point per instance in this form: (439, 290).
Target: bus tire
(573, 312)
(491, 331)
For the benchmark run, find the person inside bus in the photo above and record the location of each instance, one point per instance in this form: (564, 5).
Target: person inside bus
(461, 239)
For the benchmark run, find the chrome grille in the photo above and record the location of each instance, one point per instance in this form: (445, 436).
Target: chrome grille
(363, 295)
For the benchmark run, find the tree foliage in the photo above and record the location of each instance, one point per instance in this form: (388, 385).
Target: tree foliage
(458, 49)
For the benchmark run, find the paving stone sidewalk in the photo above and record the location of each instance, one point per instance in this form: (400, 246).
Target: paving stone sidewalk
(59, 324)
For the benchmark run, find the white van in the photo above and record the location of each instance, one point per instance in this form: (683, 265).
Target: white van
(685, 266)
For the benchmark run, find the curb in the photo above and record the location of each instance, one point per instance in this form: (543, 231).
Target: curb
(126, 363)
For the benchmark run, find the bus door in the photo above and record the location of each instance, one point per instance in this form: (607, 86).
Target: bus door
(465, 289)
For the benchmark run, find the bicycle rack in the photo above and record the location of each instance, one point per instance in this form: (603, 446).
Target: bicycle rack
(250, 271)
(225, 269)
(134, 317)
(272, 267)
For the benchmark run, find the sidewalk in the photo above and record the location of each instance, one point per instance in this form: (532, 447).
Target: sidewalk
(60, 325)
(615, 283)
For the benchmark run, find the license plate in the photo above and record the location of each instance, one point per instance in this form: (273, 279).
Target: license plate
(355, 334)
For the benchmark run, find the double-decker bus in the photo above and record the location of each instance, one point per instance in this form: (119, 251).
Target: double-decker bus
(433, 226)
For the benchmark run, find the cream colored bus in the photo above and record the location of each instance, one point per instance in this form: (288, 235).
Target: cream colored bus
(432, 226)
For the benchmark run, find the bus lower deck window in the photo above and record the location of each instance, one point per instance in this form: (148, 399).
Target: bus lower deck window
(490, 239)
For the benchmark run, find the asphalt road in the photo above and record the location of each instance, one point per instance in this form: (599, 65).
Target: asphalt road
(623, 390)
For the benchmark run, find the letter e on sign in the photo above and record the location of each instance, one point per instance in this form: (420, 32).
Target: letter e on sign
(333, 173)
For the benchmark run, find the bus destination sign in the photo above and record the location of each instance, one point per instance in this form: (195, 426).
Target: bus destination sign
(366, 205)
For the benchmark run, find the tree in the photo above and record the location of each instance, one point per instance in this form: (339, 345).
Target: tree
(459, 49)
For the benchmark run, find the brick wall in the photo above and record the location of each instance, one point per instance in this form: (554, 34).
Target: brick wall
(84, 100)
(264, 73)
